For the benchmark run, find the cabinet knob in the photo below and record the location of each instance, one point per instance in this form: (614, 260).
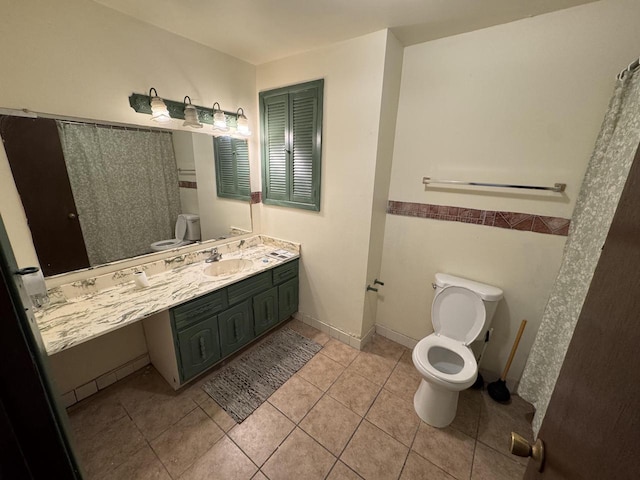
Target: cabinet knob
(72, 216)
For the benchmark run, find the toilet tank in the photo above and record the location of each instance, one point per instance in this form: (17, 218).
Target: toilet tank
(489, 294)
(193, 226)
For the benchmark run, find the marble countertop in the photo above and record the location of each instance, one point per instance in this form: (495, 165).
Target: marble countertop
(73, 320)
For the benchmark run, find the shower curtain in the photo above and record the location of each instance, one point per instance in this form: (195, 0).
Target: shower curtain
(596, 204)
(125, 186)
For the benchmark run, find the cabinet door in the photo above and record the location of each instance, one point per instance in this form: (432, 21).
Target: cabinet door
(199, 347)
(265, 310)
(288, 299)
(236, 327)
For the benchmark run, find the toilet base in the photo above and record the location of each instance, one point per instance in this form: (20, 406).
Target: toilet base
(435, 405)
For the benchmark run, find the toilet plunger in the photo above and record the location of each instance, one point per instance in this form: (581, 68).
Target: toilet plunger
(498, 390)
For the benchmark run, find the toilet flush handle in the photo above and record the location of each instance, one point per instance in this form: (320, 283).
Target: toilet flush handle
(434, 286)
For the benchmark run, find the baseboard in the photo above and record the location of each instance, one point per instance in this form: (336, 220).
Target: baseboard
(334, 332)
(395, 336)
(103, 381)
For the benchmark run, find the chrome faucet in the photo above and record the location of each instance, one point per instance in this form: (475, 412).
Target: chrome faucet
(215, 256)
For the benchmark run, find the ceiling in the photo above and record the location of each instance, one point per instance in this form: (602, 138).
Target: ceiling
(259, 31)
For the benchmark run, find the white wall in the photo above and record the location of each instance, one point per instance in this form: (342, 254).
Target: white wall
(78, 58)
(521, 103)
(335, 240)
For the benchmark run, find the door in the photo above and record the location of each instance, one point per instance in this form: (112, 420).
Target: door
(236, 327)
(265, 310)
(592, 427)
(288, 298)
(32, 424)
(37, 163)
(199, 347)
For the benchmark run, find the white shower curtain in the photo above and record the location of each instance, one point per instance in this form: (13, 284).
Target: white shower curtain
(125, 186)
(596, 204)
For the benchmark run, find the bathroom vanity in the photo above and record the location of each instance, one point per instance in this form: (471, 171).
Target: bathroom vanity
(190, 338)
(194, 314)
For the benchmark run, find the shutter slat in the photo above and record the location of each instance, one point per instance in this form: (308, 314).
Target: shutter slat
(275, 126)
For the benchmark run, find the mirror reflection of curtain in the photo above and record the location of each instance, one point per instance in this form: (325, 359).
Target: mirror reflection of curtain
(125, 185)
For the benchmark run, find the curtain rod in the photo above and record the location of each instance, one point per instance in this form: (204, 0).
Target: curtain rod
(630, 68)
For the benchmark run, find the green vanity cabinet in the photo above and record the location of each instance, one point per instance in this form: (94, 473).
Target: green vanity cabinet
(211, 327)
(265, 310)
(236, 327)
(199, 347)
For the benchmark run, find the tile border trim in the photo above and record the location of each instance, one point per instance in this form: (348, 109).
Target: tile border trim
(526, 222)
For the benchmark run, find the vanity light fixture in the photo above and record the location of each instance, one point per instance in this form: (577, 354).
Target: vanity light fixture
(219, 119)
(190, 114)
(159, 111)
(243, 123)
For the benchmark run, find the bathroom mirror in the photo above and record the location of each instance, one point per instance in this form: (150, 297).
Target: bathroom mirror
(95, 193)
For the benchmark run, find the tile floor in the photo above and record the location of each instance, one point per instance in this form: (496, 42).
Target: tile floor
(345, 415)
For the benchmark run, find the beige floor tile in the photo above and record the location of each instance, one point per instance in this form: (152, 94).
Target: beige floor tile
(341, 472)
(157, 413)
(295, 398)
(309, 332)
(417, 468)
(406, 357)
(224, 461)
(497, 421)
(468, 413)
(372, 367)
(373, 454)
(183, 443)
(111, 448)
(331, 424)
(384, 347)
(139, 387)
(259, 476)
(339, 352)
(299, 457)
(394, 416)
(261, 433)
(94, 416)
(404, 382)
(354, 391)
(143, 465)
(491, 465)
(217, 414)
(321, 371)
(448, 448)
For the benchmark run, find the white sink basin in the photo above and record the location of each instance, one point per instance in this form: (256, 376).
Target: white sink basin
(227, 267)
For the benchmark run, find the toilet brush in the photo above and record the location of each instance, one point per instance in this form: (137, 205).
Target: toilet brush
(498, 390)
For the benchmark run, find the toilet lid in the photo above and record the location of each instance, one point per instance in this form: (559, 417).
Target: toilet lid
(458, 313)
(181, 227)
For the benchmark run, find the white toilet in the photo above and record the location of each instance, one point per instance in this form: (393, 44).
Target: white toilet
(187, 231)
(461, 312)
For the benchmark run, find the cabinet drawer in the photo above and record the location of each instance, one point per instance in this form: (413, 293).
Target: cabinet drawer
(248, 288)
(285, 272)
(199, 309)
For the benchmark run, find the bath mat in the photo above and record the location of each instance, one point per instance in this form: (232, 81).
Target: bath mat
(244, 384)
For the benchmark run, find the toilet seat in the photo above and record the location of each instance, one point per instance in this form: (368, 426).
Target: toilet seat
(454, 350)
(168, 244)
(458, 313)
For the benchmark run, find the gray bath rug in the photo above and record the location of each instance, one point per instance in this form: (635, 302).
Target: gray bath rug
(244, 384)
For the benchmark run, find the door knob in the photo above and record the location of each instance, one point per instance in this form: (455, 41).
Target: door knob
(522, 448)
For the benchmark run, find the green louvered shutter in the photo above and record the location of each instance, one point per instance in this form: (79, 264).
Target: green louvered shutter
(241, 150)
(276, 128)
(304, 151)
(291, 145)
(232, 168)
